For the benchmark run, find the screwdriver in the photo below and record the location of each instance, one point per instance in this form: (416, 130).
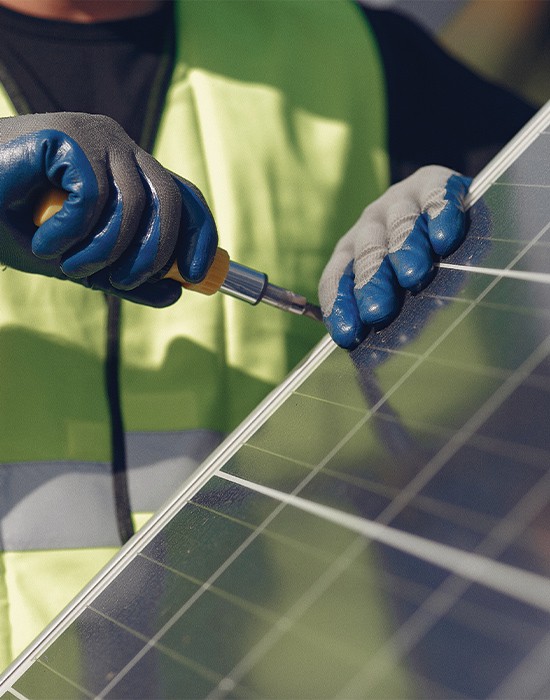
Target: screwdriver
(224, 275)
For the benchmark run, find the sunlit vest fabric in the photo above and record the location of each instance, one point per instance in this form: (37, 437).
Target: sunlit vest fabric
(276, 111)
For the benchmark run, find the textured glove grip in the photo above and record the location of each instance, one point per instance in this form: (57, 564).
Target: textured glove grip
(52, 201)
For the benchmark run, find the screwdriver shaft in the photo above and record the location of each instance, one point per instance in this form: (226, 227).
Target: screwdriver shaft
(252, 286)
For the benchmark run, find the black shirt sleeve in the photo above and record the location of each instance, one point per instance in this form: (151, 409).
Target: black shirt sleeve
(439, 111)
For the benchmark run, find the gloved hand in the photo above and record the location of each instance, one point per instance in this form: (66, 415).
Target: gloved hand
(126, 218)
(392, 248)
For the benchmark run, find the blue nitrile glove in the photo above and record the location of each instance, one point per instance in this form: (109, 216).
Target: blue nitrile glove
(392, 248)
(126, 218)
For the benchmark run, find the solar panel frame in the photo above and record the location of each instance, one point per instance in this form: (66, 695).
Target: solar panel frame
(464, 564)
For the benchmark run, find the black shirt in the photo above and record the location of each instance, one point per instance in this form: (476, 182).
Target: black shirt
(438, 110)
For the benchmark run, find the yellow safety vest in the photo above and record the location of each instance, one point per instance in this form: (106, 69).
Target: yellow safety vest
(276, 111)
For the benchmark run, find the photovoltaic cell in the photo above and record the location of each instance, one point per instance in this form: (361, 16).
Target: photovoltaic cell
(379, 527)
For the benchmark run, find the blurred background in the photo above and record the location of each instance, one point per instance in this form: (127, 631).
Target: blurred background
(507, 41)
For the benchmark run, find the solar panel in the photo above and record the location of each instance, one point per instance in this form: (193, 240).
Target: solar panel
(379, 527)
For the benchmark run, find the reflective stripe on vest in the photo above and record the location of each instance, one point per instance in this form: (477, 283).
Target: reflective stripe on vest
(55, 505)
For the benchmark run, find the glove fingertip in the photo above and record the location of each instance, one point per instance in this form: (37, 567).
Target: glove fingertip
(381, 298)
(448, 229)
(198, 236)
(413, 263)
(344, 322)
(195, 260)
(346, 329)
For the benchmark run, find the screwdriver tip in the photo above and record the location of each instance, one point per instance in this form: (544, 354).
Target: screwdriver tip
(313, 311)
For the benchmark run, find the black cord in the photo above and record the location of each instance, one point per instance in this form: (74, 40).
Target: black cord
(118, 443)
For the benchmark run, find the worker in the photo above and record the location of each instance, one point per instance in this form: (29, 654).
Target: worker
(272, 125)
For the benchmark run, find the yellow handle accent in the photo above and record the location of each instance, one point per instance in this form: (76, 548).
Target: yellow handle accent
(215, 277)
(52, 201)
(49, 204)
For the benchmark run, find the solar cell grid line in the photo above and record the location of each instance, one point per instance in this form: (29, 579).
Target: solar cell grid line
(448, 593)
(426, 502)
(461, 436)
(512, 274)
(273, 516)
(534, 589)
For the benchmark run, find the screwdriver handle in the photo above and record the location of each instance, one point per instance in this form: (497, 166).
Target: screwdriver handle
(52, 201)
